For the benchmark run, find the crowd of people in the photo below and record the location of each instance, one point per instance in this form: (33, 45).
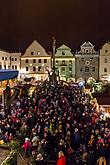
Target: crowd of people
(57, 123)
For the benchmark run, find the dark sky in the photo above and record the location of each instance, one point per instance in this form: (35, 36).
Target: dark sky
(71, 21)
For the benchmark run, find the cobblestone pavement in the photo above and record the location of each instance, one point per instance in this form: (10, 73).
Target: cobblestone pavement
(3, 154)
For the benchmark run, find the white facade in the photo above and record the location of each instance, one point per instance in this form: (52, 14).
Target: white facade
(35, 62)
(104, 62)
(9, 60)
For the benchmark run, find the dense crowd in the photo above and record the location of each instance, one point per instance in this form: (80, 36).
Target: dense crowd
(57, 123)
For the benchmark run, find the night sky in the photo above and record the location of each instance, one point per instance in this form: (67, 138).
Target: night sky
(72, 22)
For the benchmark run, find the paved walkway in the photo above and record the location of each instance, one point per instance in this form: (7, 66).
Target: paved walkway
(3, 154)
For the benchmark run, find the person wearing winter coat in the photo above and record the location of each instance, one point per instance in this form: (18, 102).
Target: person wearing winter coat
(61, 159)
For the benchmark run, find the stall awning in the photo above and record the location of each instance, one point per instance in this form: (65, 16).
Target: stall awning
(7, 74)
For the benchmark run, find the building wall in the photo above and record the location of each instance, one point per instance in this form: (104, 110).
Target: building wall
(87, 62)
(35, 62)
(65, 62)
(104, 62)
(9, 60)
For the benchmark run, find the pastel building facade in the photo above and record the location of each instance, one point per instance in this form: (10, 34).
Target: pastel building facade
(65, 63)
(104, 63)
(87, 62)
(35, 62)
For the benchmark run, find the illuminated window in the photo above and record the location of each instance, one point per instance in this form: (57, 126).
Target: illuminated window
(26, 60)
(39, 61)
(34, 68)
(26, 68)
(39, 68)
(45, 60)
(38, 53)
(86, 69)
(34, 60)
(105, 69)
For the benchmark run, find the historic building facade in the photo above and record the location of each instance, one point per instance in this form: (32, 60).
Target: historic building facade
(104, 63)
(65, 63)
(9, 60)
(35, 62)
(87, 62)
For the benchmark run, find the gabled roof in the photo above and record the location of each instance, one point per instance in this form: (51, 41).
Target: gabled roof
(35, 47)
(87, 44)
(63, 47)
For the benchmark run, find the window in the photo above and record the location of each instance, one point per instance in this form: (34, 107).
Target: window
(16, 67)
(32, 53)
(70, 69)
(70, 62)
(39, 61)
(2, 58)
(63, 69)
(26, 68)
(91, 59)
(93, 69)
(81, 69)
(38, 53)
(105, 69)
(45, 60)
(82, 59)
(12, 66)
(0, 66)
(4, 66)
(86, 69)
(34, 68)
(56, 61)
(106, 51)
(12, 59)
(105, 60)
(39, 68)
(63, 61)
(26, 60)
(15, 59)
(87, 51)
(34, 60)
(6, 58)
(63, 53)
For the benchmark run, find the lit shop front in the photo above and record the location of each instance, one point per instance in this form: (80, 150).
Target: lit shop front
(7, 78)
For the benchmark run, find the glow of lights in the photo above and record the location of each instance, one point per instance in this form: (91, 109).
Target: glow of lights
(30, 64)
(42, 64)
